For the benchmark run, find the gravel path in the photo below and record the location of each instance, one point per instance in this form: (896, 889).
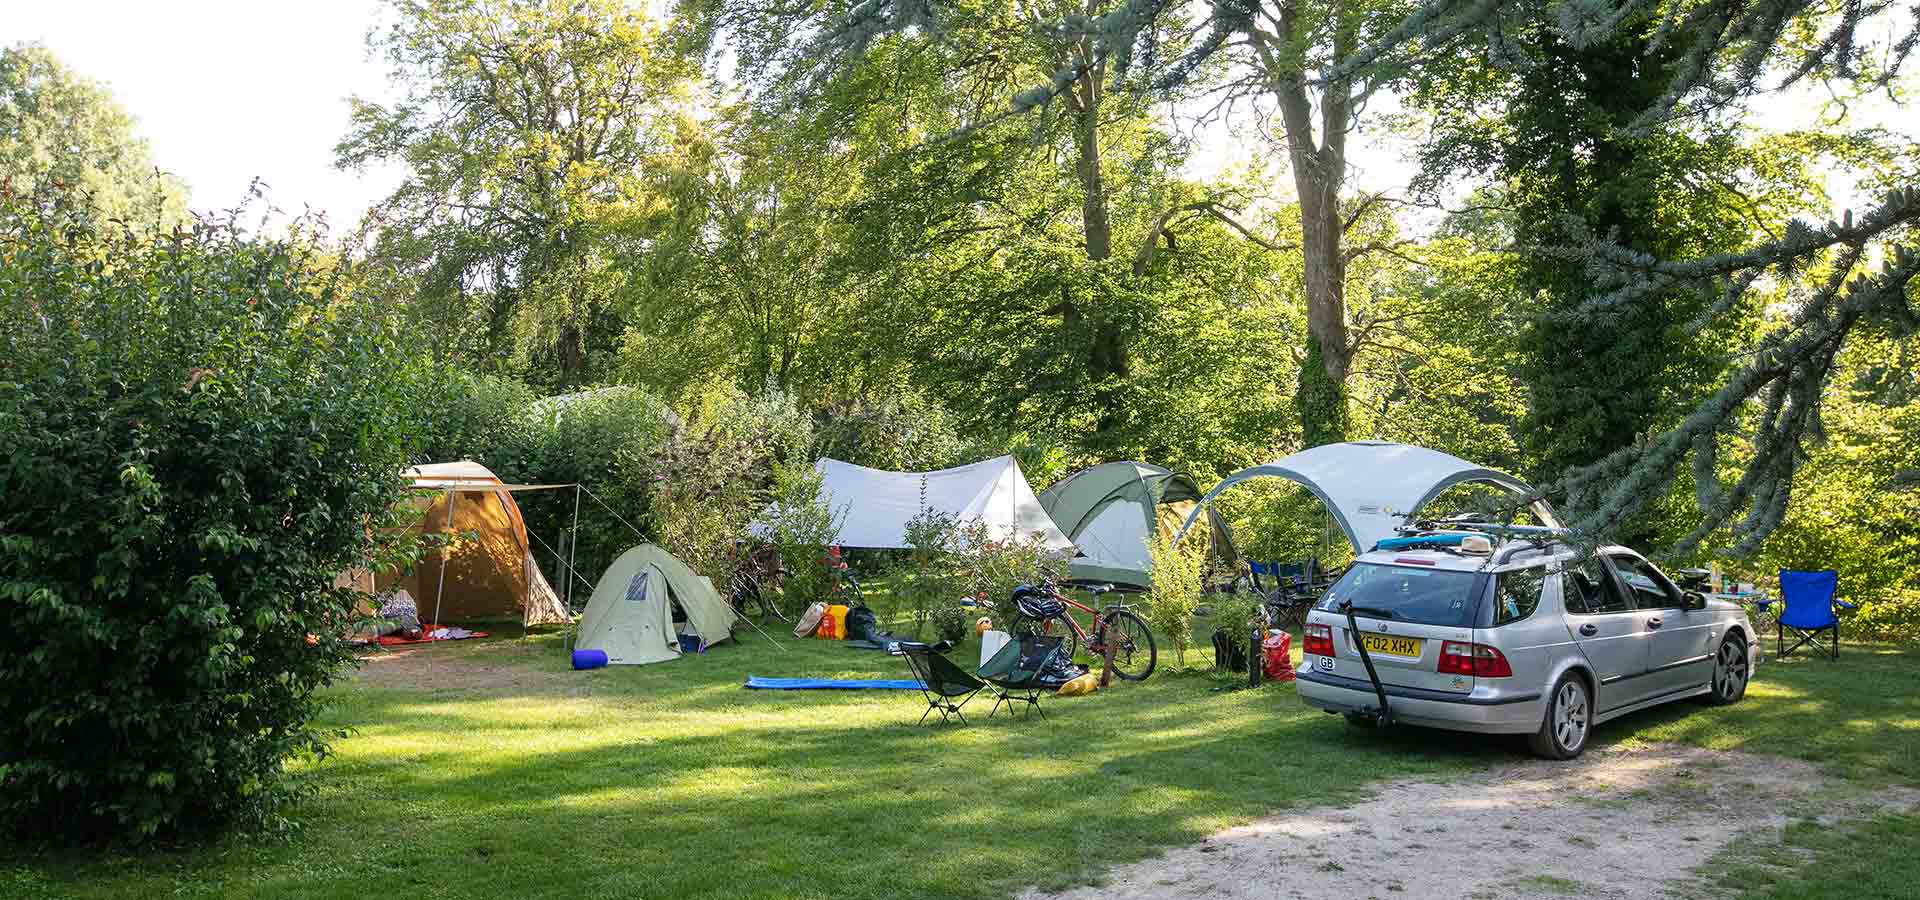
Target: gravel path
(1628, 824)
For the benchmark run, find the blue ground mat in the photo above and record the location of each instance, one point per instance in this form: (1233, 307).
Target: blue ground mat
(830, 684)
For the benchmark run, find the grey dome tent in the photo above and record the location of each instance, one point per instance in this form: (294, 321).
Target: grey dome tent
(1373, 487)
(631, 614)
(1111, 510)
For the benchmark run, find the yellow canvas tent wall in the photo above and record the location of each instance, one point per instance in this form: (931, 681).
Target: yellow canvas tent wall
(490, 573)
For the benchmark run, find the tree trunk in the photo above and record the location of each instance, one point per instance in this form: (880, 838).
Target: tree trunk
(1319, 172)
(1107, 353)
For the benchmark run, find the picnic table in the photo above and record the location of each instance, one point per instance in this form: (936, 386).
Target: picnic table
(1762, 607)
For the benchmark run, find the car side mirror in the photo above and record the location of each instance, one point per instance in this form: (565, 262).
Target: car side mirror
(1694, 600)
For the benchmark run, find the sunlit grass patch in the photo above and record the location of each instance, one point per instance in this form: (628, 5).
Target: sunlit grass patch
(517, 778)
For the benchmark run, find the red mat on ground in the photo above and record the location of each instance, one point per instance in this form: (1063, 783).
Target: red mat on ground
(394, 640)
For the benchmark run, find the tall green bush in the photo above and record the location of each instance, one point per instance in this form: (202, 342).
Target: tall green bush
(200, 430)
(928, 581)
(1175, 591)
(609, 440)
(800, 526)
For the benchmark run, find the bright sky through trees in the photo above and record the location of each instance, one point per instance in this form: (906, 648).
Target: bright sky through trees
(182, 69)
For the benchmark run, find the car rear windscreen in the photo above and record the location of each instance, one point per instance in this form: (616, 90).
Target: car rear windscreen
(1407, 594)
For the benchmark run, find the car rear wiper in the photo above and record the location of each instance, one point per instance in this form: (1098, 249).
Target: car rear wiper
(1374, 611)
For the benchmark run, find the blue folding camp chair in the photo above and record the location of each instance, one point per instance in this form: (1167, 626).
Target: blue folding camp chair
(1811, 613)
(1288, 595)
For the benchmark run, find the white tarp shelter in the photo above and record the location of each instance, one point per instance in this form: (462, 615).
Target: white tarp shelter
(1372, 487)
(874, 505)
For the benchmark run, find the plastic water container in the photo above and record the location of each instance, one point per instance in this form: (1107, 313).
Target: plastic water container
(689, 643)
(991, 642)
(589, 659)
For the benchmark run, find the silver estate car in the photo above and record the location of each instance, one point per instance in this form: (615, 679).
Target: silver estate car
(1518, 639)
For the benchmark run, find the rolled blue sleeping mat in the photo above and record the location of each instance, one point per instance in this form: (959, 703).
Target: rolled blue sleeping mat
(589, 659)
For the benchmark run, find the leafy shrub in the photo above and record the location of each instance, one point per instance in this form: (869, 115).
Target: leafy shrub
(1235, 614)
(950, 623)
(1275, 519)
(1892, 618)
(799, 526)
(928, 580)
(608, 440)
(480, 417)
(902, 432)
(201, 431)
(1176, 591)
(991, 567)
(713, 475)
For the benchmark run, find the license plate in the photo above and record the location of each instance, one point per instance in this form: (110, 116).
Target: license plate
(1392, 646)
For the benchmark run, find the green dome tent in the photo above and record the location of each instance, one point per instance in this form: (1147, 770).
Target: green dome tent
(1110, 510)
(631, 613)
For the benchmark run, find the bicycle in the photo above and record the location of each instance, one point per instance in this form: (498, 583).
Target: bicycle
(748, 587)
(846, 590)
(750, 598)
(1044, 610)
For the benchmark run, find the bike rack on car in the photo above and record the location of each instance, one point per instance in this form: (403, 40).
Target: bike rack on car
(1384, 717)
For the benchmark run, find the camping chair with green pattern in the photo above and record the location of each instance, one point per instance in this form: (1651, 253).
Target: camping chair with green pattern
(942, 682)
(1014, 672)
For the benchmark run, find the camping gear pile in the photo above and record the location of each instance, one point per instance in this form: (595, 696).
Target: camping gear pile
(399, 615)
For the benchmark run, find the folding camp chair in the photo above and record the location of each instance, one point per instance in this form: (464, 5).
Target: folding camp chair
(1291, 594)
(1015, 671)
(1810, 613)
(942, 682)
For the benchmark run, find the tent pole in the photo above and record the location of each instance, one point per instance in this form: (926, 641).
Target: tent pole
(440, 590)
(573, 544)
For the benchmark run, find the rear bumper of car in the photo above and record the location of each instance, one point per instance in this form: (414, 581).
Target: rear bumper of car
(1480, 711)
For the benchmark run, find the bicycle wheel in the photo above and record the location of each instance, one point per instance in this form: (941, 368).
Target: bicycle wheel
(744, 594)
(765, 607)
(1133, 651)
(1027, 625)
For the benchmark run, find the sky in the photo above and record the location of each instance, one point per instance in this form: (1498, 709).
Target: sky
(228, 90)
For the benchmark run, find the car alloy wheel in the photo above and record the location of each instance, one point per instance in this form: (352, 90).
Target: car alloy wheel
(1730, 671)
(1569, 717)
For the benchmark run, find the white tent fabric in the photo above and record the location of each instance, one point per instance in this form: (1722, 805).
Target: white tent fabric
(1117, 536)
(1371, 487)
(875, 505)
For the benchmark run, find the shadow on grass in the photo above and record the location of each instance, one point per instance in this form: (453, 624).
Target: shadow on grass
(671, 781)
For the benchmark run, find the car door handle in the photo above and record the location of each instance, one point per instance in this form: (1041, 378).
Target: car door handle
(1589, 630)
(1653, 622)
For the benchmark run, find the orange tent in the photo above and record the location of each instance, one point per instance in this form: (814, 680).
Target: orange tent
(488, 569)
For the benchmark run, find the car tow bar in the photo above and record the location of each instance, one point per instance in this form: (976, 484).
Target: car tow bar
(1384, 717)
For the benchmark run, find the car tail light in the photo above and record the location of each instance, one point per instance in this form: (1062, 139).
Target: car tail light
(1478, 660)
(1319, 641)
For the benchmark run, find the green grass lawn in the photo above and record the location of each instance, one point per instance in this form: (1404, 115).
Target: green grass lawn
(501, 774)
